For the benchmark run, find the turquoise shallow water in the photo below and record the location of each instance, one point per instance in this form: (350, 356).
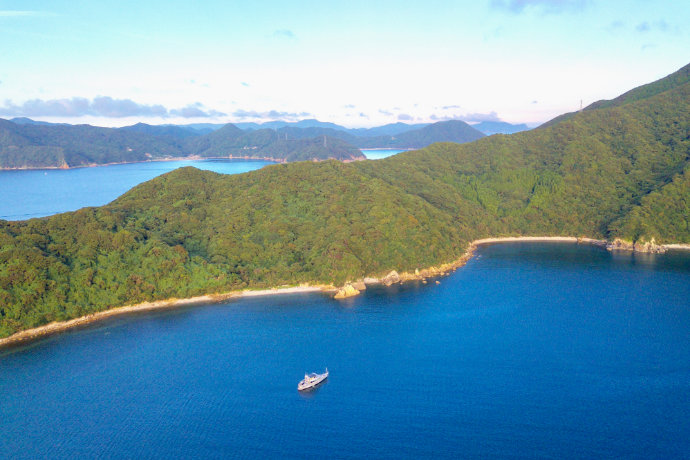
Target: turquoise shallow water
(529, 351)
(38, 193)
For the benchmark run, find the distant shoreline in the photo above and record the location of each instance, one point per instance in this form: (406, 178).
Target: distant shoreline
(154, 160)
(36, 333)
(189, 158)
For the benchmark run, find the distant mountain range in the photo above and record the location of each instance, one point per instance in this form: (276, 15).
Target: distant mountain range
(25, 143)
(392, 129)
(499, 127)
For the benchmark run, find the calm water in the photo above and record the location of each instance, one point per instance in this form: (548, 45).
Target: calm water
(38, 193)
(380, 153)
(530, 351)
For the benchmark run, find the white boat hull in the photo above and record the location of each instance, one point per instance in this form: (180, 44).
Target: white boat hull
(311, 381)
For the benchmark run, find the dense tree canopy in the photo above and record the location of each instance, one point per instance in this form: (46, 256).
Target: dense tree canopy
(618, 171)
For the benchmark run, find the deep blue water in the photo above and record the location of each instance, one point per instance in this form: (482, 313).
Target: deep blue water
(38, 193)
(529, 351)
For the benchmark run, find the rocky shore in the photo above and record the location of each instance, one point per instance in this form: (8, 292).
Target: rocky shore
(354, 288)
(349, 289)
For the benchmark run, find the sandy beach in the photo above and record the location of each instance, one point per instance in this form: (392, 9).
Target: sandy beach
(55, 327)
(59, 326)
(563, 239)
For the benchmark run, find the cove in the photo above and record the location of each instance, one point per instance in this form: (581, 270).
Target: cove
(549, 350)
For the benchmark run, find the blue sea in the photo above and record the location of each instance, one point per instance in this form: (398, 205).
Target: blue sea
(548, 350)
(26, 194)
(43, 192)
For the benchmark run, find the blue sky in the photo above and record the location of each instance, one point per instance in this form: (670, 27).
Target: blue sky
(357, 63)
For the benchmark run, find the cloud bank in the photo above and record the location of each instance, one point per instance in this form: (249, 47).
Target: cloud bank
(271, 114)
(101, 106)
(468, 117)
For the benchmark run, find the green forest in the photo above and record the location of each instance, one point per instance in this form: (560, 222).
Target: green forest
(32, 145)
(616, 170)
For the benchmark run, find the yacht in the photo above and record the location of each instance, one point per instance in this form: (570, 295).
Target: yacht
(311, 380)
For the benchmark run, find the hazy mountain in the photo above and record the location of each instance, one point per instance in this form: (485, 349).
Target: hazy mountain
(386, 130)
(442, 131)
(268, 143)
(499, 127)
(52, 145)
(29, 121)
(57, 145)
(171, 131)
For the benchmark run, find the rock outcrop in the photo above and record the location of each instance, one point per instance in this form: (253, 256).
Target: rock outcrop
(359, 285)
(638, 246)
(346, 291)
(390, 278)
(620, 245)
(649, 246)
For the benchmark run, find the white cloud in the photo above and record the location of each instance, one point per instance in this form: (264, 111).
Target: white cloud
(101, 106)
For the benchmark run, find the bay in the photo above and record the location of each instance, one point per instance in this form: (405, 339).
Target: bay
(26, 194)
(43, 192)
(548, 350)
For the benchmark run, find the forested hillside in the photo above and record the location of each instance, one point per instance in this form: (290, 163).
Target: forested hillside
(618, 171)
(29, 144)
(52, 145)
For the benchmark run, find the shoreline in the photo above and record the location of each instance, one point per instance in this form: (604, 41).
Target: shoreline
(30, 335)
(154, 160)
(188, 158)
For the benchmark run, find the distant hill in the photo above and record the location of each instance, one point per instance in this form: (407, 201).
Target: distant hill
(443, 131)
(499, 127)
(308, 123)
(53, 146)
(268, 143)
(201, 128)
(43, 145)
(293, 132)
(386, 130)
(29, 121)
(170, 131)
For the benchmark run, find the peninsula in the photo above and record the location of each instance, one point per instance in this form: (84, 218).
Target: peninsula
(619, 169)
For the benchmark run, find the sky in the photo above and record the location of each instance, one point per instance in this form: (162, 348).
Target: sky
(355, 63)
